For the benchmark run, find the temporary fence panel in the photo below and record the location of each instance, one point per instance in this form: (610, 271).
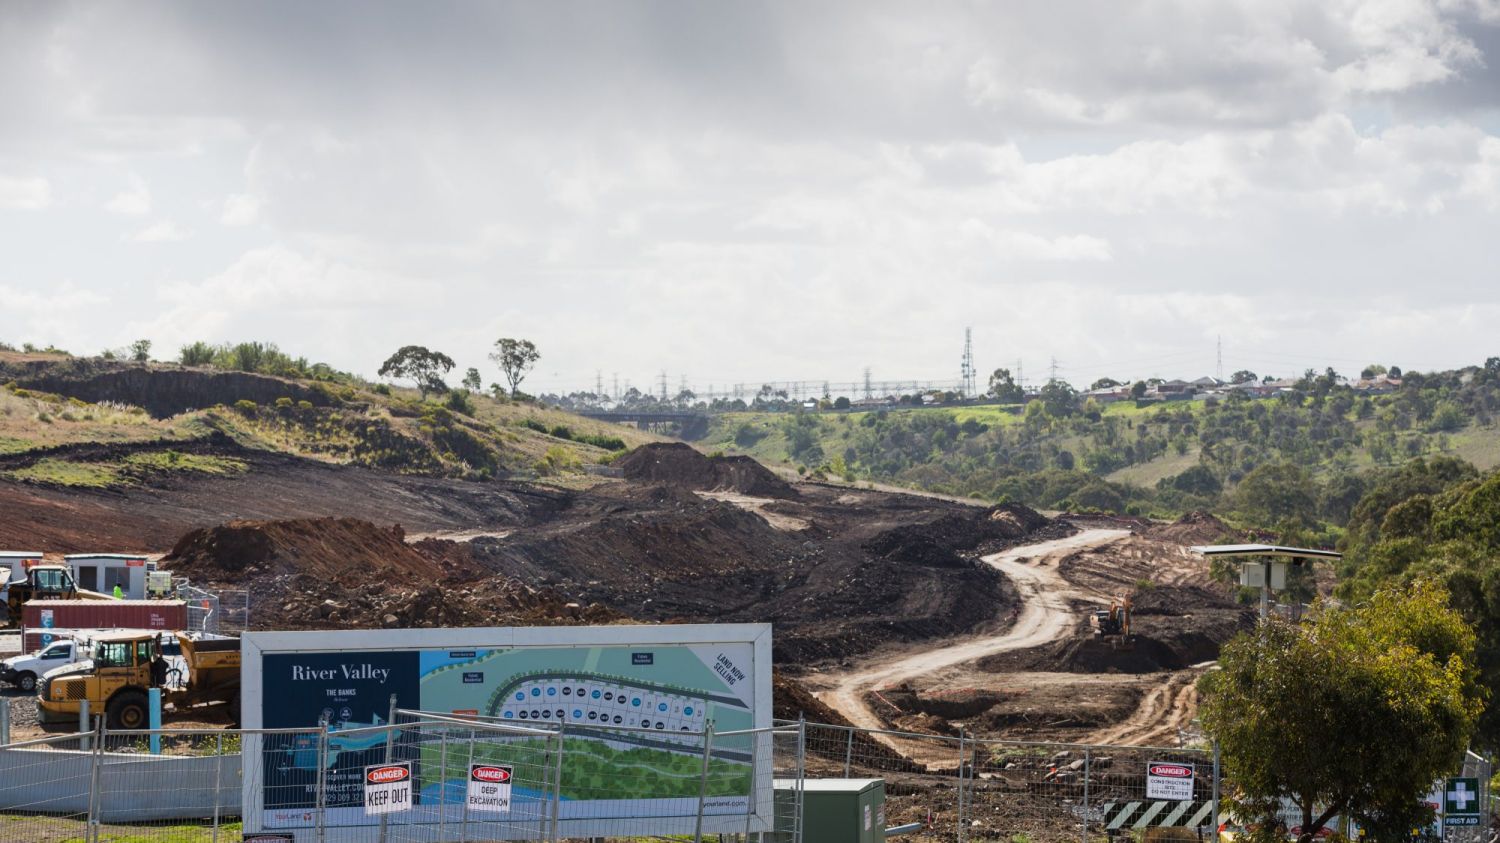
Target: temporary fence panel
(958, 788)
(46, 788)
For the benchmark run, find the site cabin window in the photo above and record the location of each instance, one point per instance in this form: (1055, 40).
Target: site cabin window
(116, 577)
(88, 577)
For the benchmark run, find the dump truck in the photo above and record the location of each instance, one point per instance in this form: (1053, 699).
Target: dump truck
(43, 581)
(124, 665)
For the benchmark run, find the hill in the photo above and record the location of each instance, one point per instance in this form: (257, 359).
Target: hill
(129, 455)
(1166, 458)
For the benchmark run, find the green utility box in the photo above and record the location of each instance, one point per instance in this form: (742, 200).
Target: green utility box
(838, 810)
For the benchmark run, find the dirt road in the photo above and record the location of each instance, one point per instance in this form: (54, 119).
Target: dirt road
(1045, 616)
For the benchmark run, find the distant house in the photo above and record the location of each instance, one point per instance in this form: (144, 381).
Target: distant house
(1174, 390)
(1381, 384)
(1108, 394)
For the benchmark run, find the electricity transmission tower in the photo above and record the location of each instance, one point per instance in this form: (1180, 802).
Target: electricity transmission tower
(967, 369)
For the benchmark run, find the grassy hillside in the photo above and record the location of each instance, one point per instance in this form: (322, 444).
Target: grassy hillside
(48, 432)
(1156, 459)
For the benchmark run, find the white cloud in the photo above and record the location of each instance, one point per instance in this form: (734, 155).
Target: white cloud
(163, 231)
(240, 209)
(24, 193)
(134, 202)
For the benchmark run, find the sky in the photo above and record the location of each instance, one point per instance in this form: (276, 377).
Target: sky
(746, 192)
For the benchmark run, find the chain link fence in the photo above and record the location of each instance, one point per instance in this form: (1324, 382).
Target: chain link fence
(482, 779)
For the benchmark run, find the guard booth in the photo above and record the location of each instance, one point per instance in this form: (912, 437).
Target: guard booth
(101, 572)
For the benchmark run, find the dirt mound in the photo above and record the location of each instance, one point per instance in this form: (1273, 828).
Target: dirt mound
(346, 551)
(678, 464)
(337, 573)
(1196, 527)
(658, 554)
(936, 543)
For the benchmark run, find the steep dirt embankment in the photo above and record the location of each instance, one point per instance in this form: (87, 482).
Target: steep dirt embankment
(838, 573)
(346, 573)
(160, 391)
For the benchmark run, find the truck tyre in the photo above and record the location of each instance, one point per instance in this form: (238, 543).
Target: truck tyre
(128, 711)
(234, 711)
(26, 681)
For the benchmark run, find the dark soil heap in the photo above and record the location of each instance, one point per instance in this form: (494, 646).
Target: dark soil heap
(681, 465)
(335, 573)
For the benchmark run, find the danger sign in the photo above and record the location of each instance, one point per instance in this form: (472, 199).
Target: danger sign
(388, 788)
(489, 788)
(1169, 781)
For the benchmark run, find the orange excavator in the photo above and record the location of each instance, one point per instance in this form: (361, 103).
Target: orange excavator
(1114, 624)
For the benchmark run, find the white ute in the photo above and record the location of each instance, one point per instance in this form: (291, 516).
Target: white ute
(24, 670)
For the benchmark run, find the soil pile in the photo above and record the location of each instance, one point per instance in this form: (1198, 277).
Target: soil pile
(334, 573)
(1195, 528)
(681, 465)
(857, 577)
(937, 543)
(346, 551)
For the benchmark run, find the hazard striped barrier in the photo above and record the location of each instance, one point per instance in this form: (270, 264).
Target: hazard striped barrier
(1122, 815)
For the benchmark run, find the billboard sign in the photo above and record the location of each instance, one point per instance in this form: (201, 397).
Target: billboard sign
(640, 695)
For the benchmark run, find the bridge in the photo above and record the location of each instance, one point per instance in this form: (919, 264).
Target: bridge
(683, 424)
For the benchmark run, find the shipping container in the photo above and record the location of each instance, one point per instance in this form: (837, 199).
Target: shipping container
(42, 618)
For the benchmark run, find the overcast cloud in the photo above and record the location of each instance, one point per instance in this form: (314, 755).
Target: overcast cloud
(739, 192)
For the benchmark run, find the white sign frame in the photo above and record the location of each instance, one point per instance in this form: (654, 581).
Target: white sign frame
(385, 794)
(482, 801)
(255, 646)
(1170, 788)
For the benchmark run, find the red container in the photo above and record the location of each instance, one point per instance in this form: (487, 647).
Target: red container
(53, 617)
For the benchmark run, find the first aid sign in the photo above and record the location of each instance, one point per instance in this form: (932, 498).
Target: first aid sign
(489, 788)
(388, 788)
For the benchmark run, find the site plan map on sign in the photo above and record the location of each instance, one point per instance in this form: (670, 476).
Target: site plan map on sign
(635, 716)
(660, 697)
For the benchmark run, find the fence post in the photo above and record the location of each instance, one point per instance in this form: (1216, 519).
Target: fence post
(849, 752)
(1214, 812)
(708, 744)
(5, 721)
(219, 776)
(463, 829)
(797, 826)
(84, 723)
(321, 795)
(390, 740)
(752, 803)
(960, 824)
(443, 785)
(95, 809)
(1088, 763)
(562, 730)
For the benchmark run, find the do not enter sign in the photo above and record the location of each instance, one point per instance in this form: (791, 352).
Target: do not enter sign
(388, 788)
(1169, 781)
(489, 788)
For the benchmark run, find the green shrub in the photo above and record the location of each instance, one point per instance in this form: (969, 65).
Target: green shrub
(196, 354)
(562, 432)
(533, 424)
(283, 403)
(459, 402)
(381, 389)
(304, 405)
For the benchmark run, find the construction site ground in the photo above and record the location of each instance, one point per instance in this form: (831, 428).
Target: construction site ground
(899, 610)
